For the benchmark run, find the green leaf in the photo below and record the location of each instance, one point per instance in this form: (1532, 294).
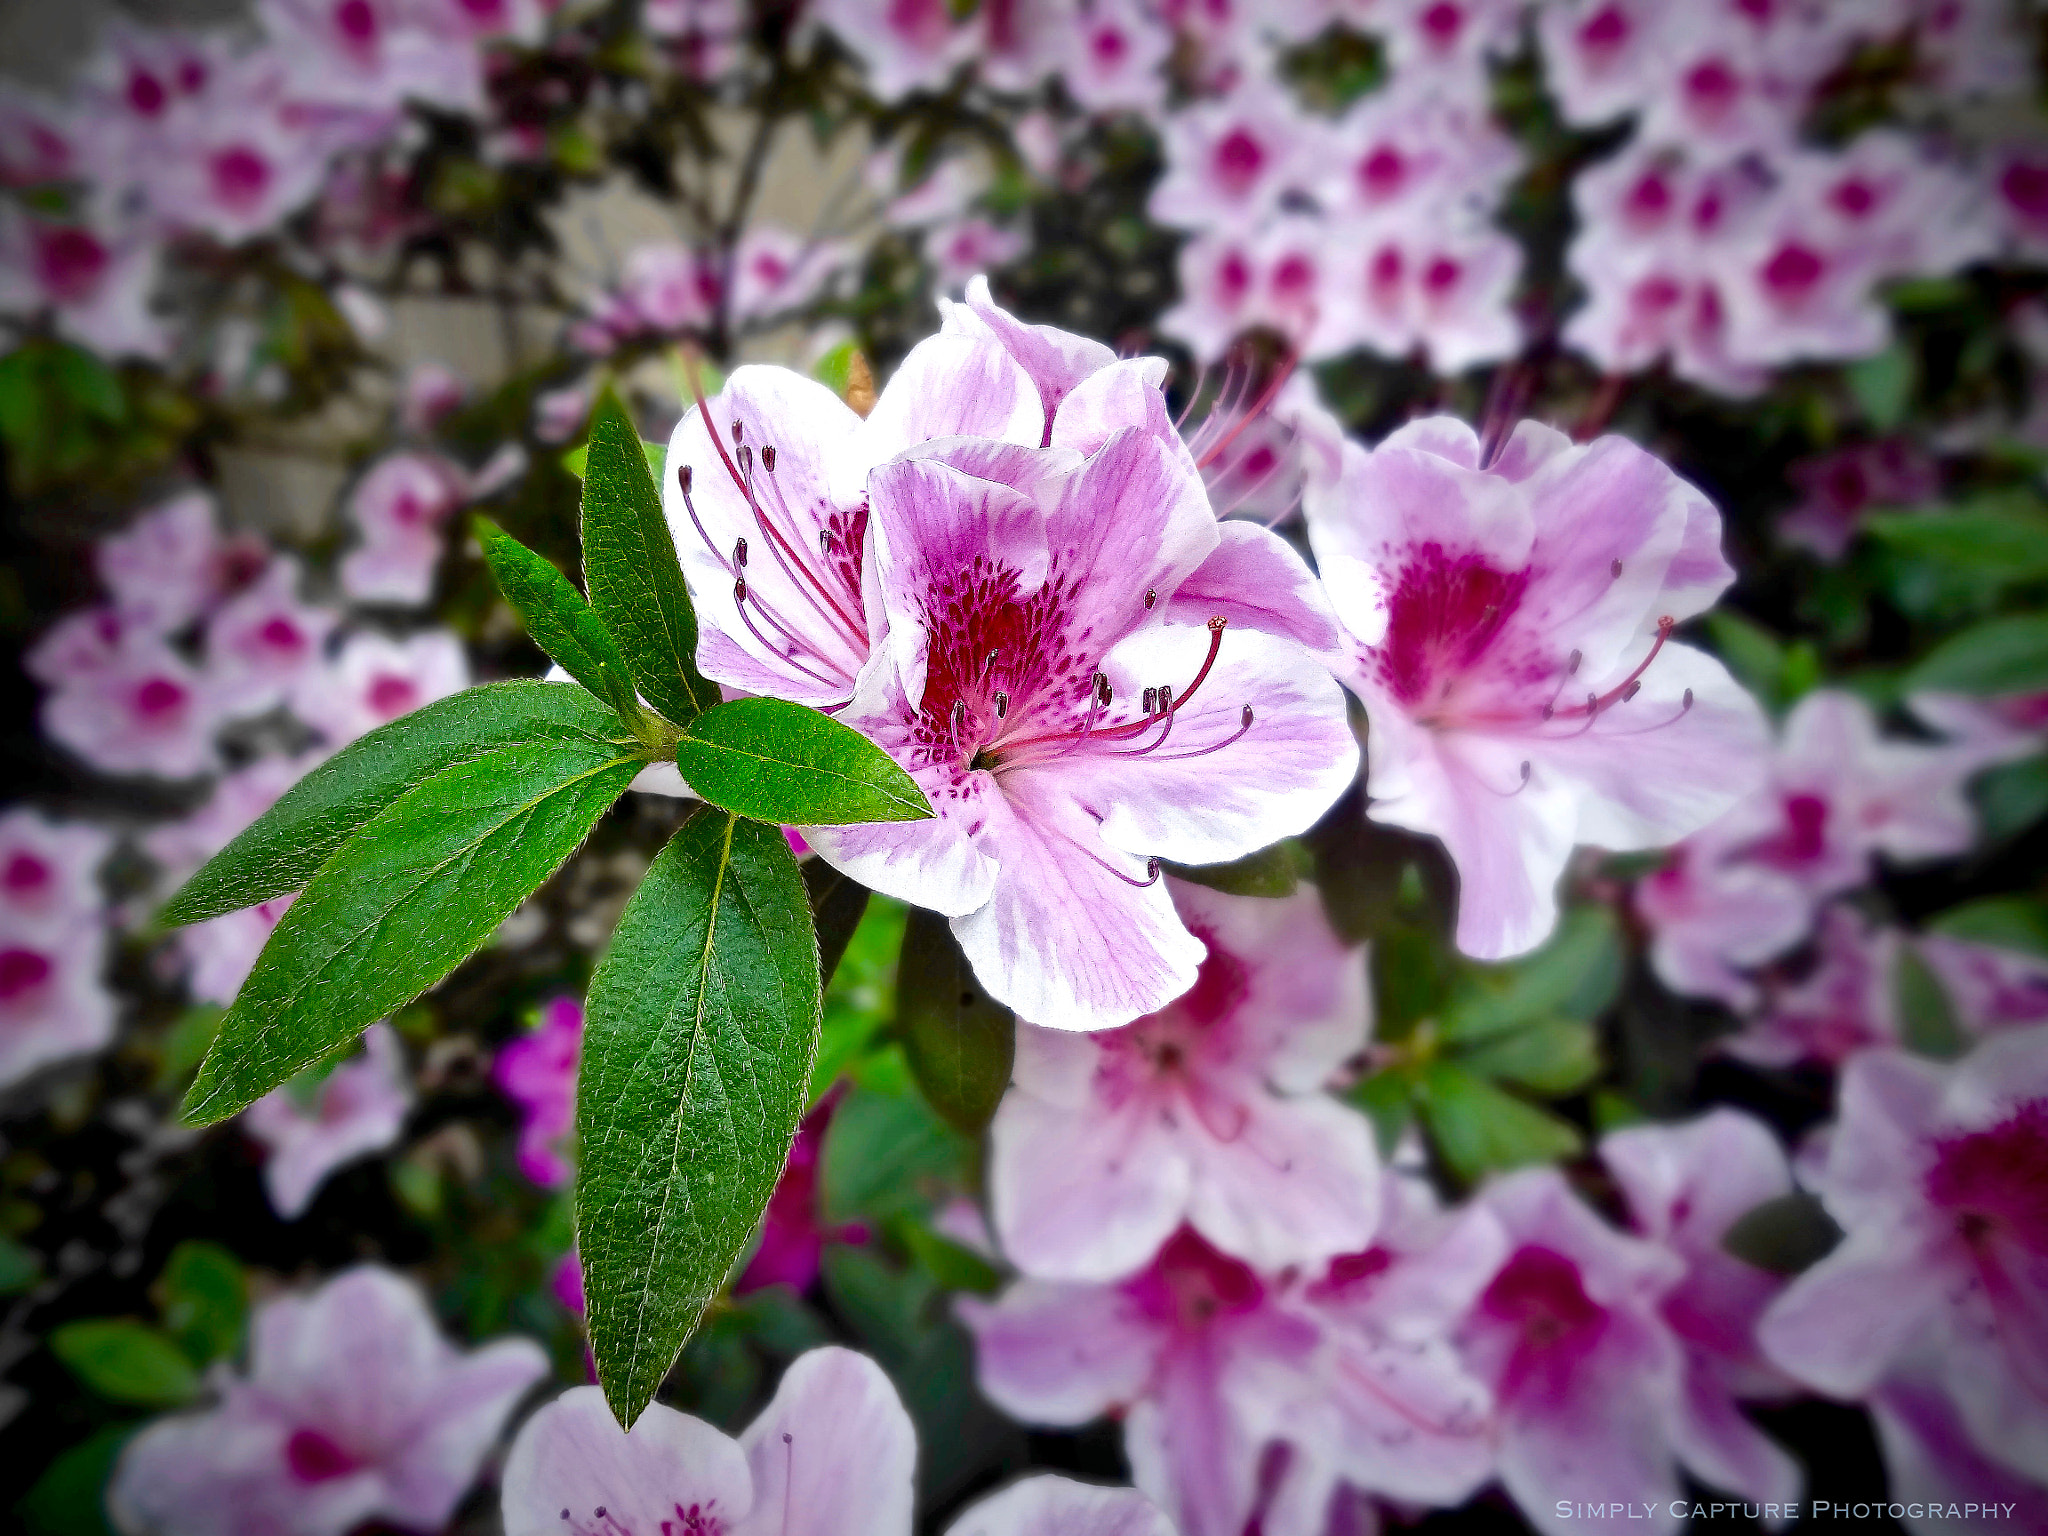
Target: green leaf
(559, 620)
(2004, 655)
(631, 572)
(838, 902)
(888, 1157)
(1883, 386)
(70, 1498)
(404, 902)
(20, 1266)
(1752, 653)
(1784, 1236)
(2018, 923)
(125, 1361)
(834, 369)
(204, 1295)
(1479, 1129)
(777, 761)
(1927, 1018)
(1550, 1056)
(1576, 973)
(1389, 1102)
(291, 840)
(2011, 797)
(2001, 538)
(577, 459)
(1274, 871)
(954, 1267)
(960, 1041)
(702, 1019)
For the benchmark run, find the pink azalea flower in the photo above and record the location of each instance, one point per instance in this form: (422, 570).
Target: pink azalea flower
(1221, 283)
(97, 286)
(1601, 58)
(354, 1408)
(49, 874)
(1256, 457)
(1712, 920)
(1449, 41)
(1998, 727)
(399, 508)
(907, 45)
(38, 143)
(1209, 1111)
(1841, 486)
(1204, 1359)
(260, 643)
(774, 270)
(82, 645)
(376, 679)
(221, 952)
(1970, 47)
(373, 54)
(833, 1452)
(1794, 295)
(1836, 794)
(537, 1072)
(1886, 197)
(431, 393)
(1588, 1374)
(148, 712)
(667, 287)
(1395, 1413)
(1930, 1459)
(1020, 44)
(170, 564)
(1229, 161)
(974, 244)
(793, 1236)
(53, 1003)
(1057, 1506)
(1400, 148)
(1508, 630)
(1730, 81)
(558, 414)
(1989, 987)
(1113, 57)
(1936, 1174)
(357, 1108)
(1686, 1185)
(1844, 1005)
(242, 166)
(1438, 286)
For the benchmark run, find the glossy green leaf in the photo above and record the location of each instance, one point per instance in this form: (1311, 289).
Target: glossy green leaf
(1479, 1129)
(2011, 797)
(559, 620)
(404, 902)
(953, 1266)
(125, 1361)
(776, 761)
(959, 1040)
(1274, 871)
(577, 459)
(838, 902)
(701, 1023)
(1548, 1056)
(2002, 538)
(204, 1296)
(1927, 1018)
(1783, 1236)
(70, 1497)
(888, 1157)
(1752, 653)
(1883, 385)
(1576, 973)
(2004, 922)
(630, 568)
(291, 840)
(2003, 655)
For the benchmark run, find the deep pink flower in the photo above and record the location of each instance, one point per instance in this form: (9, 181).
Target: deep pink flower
(1938, 1175)
(1713, 919)
(833, 1452)
(537, 1071)
(309, 1131)
(1209, 1111)
(260, 643)
(398, 509)
(1686, 1185)
(147, 713)
(53, 1003)
(1841, 486)
(1508, 629)
(1845, 1004)
(1229, 161)
(49, 874)
(375, 680)
(353, 1408)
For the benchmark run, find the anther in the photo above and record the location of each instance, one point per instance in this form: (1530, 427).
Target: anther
(1631, 690)
(825, 542)
(959, 715)
(746, 459)
(1686, 703)
(1525, 770)
(1151, 870)
(1549, 710)
(1247, 718)
(1102, 689)
(739, 430)
(1151, 597)
(988, 662)
(1166, 698)
(739, 590)
(1616, 569)
(1151, 700)
(1002, 705)
(739, 552)
(683, 478)
(768, 457)
(1571, 666)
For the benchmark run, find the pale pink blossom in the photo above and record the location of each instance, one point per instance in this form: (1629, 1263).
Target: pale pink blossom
(537, 1071)
(375, 55)
(353, 1408)
(558, 414)
(1936, 1174)
(1204, 1360)
(138, 88)
(1400, 148)
(1508, 629)
(1846, 1003)
(775, 270)
(148, 712)
(261, 642)
(469, 21)
(1686, 1186)
(49, 874)
(308, 1131)
(1449, 42)
(833, 1452)
(1257, 452)
(963, 247)
(96, 285)
(1796, 291)
(1057, 1506)
(1601, 58)
(432, 391)
(1948, 1486)
(1229, 161)
(1841, 486)
(220, 953)
(1999, 727)
(376, 679)
(39, 143)
(1210, 1111)
(1712, 920)
(1989, 987)
(244, 164)
(1437, 287)
(398, 508)
(170, 564)
(1588, 1376)
(1886, 196)
(2020, 188)
(81, 645)
(1970, 47)
(1220, 287)
(53, 1003)
(238, 798)
(907, 45)
(1734, 77)
(667, 287)
(1020, 43)
(1114, 51)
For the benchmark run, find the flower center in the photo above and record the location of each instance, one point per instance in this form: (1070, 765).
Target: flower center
(72, 260)
(26, 875)
(391, 695)
(1996, 1181)
(1540, 1294)
(1238, 160)
(159, 698)
(240, 176)
(314, 1457)
(1605, 31)
(146, 93)
(23, 974)
(1190, 1284)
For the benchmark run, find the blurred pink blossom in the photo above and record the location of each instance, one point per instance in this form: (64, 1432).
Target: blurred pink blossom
(353, 1408)
(1112, 56)
(97, 286)
(1990, 987)
(220, 953)
(262, 641)
(53, 1003)
(907, 45)
(308, 1131)
(398, 508)
(148, 712)
(1712, 919)
(1056, 1506)
(537, 1071)
(1841, 486)
(1845, 1004)
(376, 679)
(1229, 161)
(49, 874)
(432, 391)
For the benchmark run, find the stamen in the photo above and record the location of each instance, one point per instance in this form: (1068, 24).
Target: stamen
(825, 543)
(746, 455)
(698, 522)
(1616, 568)
(1151, 597)
(1571, 667)
(739, 552)
(1002, 705)
(1626, 688)
(1509, 794)
(739, 429)
(1151, 701)
(1280, 376)
(1101, 682)
(1236, 735)
(739, 591)
(683, 478)
(740, 597)
(768, 457)
(1631, 691)
(988, 662)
